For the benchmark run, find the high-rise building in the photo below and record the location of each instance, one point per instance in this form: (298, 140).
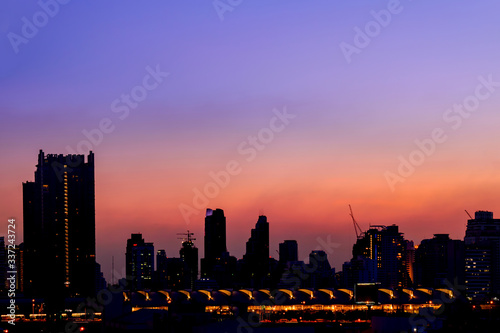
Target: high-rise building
(409, 262)
(189, 256)
(100, 281)
(139, 262)
(217, 266)
(359, 269)
(170, 272)
(288, 251)
(387, 250)
(320, 272)
(59, 227)
(20, 267)
(439, 262)
(215, 241)
(160, 275)
(482, 256)
(256, 258)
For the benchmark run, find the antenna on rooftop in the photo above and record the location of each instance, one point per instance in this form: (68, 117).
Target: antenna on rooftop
(188, 236)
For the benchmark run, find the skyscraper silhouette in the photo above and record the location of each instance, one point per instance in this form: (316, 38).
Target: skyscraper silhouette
(383, 251)
(139, 262)
(482, 256)
(320, 271)
(59, 227)
(189, 256)
(439, 262)
(215, 240)
(256, 258)
(288, 251)
(217, 264)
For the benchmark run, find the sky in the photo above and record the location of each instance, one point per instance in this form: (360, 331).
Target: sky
(291, 110)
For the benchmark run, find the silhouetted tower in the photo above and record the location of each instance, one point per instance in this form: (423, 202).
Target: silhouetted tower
(288, 251)
(139, 262)
(59, 227)
(256, 258)
(385, 251)
(215, 241)
(439, 261)
(189, 256)
(482, 256)
(321, 275)
(160, 276)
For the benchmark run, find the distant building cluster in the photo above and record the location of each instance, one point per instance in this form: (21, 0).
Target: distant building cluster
(57, 258)
(381, 255)
(257, 269)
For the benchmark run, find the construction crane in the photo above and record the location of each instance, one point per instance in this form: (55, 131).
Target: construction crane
(188, 234)
(468, 214)
(357, 229)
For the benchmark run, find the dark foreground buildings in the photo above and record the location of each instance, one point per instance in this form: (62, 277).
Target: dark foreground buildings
(59, 227)
(439, 262)
(217, 265)
(139, 262)
(381, 254)
(255, 262)
(482, 256)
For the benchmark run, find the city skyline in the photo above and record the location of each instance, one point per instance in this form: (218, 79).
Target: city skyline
(206, 83)
(329, 243)
(59, 208)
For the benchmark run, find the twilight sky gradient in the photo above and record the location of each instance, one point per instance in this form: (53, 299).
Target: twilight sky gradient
(352, 120)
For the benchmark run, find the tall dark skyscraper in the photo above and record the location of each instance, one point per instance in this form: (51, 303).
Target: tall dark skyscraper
(482, 256)
(217, 265)
(288, 251)
(256, 258)
(215, 240)
(383, 251)
(59, 227)
(160, 275)
(439, 262)
(189, 256)
(215, 234)
(139, 262)
(321, 273)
